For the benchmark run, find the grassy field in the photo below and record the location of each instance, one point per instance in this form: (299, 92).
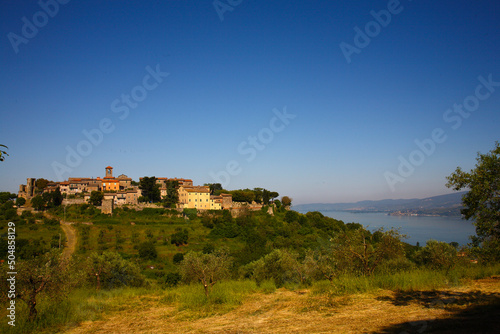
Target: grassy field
(422, 301)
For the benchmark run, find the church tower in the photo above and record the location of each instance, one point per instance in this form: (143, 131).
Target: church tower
(109, 171)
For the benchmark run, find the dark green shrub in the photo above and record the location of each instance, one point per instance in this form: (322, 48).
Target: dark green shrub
(147, 251)
(172, 279)
(178, 258)
(180, 237)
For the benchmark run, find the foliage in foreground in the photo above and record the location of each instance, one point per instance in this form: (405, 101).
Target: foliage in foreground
(482, 202)
(87, 304)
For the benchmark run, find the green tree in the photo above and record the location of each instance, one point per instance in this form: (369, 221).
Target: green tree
(437, 255)
(57, 197)
(266, 196)
(482, 202)
(214, 187)
(208, 269)
(286, 201)
(3, 153)
(41, 184)
(273, 195)
(178, 257)
(40, 275)
(20, 201)
(109, 270)
(150, 189)
(147, 250)
(258, 195)
(361, 251)
(280, 265)
(243, 195)
(96, 198)
(6, 196)
(38, 203)
(180, 237)
(172, 196)
(291, 216)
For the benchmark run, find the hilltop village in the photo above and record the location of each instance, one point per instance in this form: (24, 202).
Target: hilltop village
(122, 190)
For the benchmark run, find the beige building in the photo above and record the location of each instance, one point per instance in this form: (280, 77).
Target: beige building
(162, 181)
(77, 185)
(194, 197)
(215, 202)
(129, 197)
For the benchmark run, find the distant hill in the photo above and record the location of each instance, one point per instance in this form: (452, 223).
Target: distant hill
(443, 205)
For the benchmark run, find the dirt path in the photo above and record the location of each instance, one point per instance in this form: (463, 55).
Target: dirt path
(469, 309)
(70, 232)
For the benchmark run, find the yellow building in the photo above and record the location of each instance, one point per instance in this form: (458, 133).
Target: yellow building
(215, 202)
(195, 197)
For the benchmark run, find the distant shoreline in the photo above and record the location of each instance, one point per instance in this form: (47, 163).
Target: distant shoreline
(389, 213)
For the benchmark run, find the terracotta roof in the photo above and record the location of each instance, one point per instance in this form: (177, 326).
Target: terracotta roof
(201, 189)
(109, 167)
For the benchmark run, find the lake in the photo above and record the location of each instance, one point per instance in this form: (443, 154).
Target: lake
(418, 228)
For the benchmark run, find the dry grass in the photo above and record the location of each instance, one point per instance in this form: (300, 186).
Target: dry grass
(299, 311)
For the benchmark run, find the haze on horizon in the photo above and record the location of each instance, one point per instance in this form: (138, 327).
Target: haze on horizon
(322, 101)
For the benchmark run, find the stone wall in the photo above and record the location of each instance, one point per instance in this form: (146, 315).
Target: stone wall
(107, 206)
(69, 201)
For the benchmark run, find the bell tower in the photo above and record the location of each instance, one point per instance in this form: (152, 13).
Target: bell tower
(109, 171)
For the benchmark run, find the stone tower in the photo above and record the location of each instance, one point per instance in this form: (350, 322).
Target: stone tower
(109, 171)
(107, 206)
(30, 187)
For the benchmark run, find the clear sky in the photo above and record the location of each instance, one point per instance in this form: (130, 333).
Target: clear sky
(322, 101)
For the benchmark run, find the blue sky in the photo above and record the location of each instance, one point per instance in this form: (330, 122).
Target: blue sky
(344, 124)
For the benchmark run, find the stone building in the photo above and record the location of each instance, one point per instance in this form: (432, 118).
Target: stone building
(27, 191)
(107, 206)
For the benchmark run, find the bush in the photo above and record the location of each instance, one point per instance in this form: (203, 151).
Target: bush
(147, 250)
(208, 249)
(110, 270)
(190, 213)
(437, 255)
(52, 221)
(279, 266)
(267, 286)
(172, 279)
(396, 265)
(178, 257)
(180, 237)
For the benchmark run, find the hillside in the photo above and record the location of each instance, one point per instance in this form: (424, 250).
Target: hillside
(448, 204)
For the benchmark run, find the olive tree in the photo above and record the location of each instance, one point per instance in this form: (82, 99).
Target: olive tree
(208, 269)
(109, 270)
(360, 250)
(39, 275)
